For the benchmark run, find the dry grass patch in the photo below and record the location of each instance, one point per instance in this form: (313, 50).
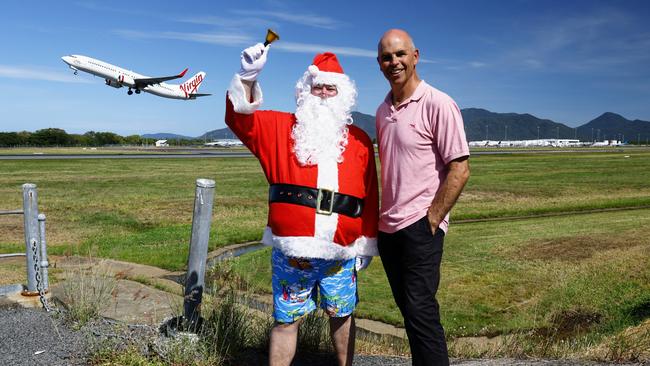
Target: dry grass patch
(568, 323)
(577, 248)
(11, 228)
(13, 271)
(371, 344)
(489, 196)
(632, 344)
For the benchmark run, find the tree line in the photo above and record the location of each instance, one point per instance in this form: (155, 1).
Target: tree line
(58, 137)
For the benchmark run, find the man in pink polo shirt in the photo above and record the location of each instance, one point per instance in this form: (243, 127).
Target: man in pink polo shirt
(424, 167)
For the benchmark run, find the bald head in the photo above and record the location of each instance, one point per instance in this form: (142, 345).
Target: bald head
(397, 58)
(396, 35)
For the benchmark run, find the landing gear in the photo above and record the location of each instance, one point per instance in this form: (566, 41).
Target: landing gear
(75, 72)
(137, 91)
(129, 92)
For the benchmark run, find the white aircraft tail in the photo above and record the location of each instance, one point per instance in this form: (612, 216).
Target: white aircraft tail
(191, 86)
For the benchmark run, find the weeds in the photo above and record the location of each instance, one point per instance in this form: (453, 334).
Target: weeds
(229, 328)
(313, 333)
(87, 292)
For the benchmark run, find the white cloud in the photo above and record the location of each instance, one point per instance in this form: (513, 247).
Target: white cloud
(212, 38)
(312, 48)
(36, 73)
(427, 61)
(311, 20)
(228, 22)
(533, 64)
(241, 39)
(602, 39)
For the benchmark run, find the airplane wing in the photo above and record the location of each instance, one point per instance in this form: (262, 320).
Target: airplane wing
(196, 95)
(141, 83)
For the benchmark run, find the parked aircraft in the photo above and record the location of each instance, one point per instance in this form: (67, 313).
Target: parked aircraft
(118, 77)
(225, 143)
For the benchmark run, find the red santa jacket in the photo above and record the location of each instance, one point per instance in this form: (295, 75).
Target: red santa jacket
(298, 230)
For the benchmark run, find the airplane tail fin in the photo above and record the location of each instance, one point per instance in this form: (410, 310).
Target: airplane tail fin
(191, 86)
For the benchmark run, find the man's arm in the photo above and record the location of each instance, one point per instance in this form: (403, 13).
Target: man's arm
(449, 191)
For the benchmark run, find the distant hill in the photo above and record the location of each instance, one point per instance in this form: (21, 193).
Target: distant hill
(222, 133)
(481, 124)
(613, 126)
(166, 136)
(366, 122)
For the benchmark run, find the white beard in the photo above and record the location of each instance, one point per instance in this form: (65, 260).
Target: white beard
(320, 133)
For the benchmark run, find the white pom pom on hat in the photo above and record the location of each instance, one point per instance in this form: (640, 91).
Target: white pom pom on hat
(313, 70)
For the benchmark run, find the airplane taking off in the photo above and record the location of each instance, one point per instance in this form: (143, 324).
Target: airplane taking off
(118, 77)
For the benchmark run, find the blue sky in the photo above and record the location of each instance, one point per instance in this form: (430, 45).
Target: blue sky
(568, 61)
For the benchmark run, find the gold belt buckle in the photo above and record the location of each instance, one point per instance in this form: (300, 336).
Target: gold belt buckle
(319, 198)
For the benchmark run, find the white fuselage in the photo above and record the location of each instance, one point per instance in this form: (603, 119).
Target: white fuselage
(118, 77)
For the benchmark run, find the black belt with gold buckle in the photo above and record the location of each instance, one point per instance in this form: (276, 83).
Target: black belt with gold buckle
(325, 201)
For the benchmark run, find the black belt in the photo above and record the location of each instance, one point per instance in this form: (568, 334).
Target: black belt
(325, 201)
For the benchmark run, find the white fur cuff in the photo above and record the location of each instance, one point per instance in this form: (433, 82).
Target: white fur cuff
(311, 247)
(237, 95)
(367, 246)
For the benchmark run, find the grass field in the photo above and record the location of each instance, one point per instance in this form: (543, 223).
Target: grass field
(496, 275)
(585, 275)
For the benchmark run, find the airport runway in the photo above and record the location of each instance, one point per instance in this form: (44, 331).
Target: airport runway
(216, 154)
(198, 154)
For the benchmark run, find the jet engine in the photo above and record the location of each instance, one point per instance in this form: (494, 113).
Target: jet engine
(114, 84)
(125, 80)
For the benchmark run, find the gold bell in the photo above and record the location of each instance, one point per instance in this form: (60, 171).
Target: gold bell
(271, 37)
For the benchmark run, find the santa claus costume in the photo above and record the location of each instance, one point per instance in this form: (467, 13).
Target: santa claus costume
(323, 197)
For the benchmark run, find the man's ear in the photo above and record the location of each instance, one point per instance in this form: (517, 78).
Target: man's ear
(416, 54)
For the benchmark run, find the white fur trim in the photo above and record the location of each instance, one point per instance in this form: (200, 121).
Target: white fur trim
(310, 247)
(313, 70)
(237, 96)
(331, 78)
(367, 246)
(328, 178)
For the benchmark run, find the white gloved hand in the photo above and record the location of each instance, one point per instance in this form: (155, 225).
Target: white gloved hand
(252, 61)
(362, 262)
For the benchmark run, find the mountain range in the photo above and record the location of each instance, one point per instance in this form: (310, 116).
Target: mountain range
(481, 124)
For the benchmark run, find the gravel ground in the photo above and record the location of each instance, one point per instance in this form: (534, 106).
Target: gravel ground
(34, 337)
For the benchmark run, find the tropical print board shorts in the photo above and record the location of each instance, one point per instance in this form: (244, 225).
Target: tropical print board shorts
(298, 282)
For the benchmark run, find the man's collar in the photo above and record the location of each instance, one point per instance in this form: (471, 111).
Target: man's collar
(418, 93)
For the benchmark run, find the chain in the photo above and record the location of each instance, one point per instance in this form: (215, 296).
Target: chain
(39, 282)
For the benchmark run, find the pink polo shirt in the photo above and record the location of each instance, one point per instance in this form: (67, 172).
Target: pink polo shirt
(416, 142)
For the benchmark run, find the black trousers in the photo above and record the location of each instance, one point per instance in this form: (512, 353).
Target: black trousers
(411, 259)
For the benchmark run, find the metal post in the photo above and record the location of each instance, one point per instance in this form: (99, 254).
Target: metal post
(30, 214)
(195, 278)
(43, 254)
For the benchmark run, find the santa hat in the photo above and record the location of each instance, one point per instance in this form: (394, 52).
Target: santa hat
(326, 70)
(325, 62)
